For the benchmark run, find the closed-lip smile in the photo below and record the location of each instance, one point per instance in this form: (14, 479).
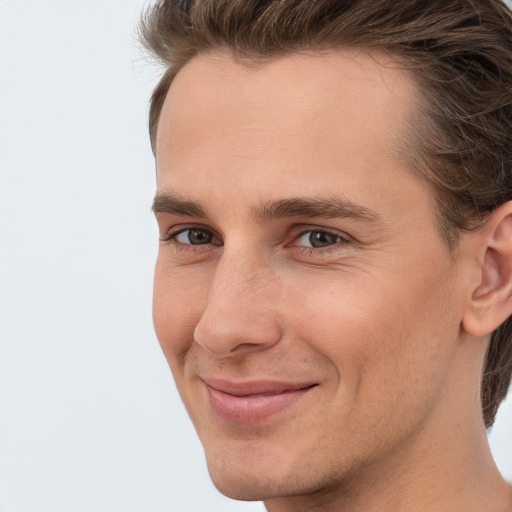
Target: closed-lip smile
(254, 401)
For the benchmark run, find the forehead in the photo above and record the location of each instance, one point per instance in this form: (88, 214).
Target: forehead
(289, 120)
(293, 88)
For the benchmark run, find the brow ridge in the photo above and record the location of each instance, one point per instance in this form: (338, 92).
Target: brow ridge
(166, 203)
(327, 208)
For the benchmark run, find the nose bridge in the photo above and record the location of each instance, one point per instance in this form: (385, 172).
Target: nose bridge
(240, 311)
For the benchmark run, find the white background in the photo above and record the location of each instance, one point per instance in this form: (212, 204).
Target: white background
(89, 417)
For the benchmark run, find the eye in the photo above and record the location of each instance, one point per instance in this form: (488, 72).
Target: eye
(193, 236)
(318, 239)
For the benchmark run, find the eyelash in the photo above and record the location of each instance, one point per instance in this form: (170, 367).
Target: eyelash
(320, 251)
(171, 236)
(344, 240)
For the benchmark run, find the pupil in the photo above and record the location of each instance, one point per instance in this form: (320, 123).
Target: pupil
(197, 236)
(322, 239)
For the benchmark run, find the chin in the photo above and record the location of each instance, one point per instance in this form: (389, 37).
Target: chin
(261, 479)
(244, 478)
(251, 486)
(247, 476)
(247, 489)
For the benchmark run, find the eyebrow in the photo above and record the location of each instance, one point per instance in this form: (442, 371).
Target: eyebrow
(165, 203)
(321, 208)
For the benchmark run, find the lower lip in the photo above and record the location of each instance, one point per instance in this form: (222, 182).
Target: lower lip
(252, 409)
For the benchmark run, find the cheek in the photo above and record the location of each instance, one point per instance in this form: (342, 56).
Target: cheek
(380, 333)
(178, 302)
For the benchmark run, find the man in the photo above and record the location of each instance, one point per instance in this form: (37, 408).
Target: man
(334, 279)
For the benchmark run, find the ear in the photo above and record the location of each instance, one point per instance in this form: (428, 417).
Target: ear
(491, 300)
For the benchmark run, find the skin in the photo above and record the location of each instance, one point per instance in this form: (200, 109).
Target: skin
(375, 318)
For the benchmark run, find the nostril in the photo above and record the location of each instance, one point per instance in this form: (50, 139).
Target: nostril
(229, 336)
(233, 321)
(244, 346)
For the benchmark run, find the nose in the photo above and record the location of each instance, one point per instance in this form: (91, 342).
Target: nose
(240, 316)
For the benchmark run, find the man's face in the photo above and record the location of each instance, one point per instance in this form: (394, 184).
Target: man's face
(303, 298)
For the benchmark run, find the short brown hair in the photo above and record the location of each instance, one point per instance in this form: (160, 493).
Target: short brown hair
(460, 52)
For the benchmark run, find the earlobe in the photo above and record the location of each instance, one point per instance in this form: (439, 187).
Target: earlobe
(491, 300)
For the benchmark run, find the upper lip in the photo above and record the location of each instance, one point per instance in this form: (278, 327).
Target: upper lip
(255, 387)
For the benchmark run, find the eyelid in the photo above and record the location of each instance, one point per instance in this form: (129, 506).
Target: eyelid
(297, 233)
(308, 229)
(174, 231)
(344, 242)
